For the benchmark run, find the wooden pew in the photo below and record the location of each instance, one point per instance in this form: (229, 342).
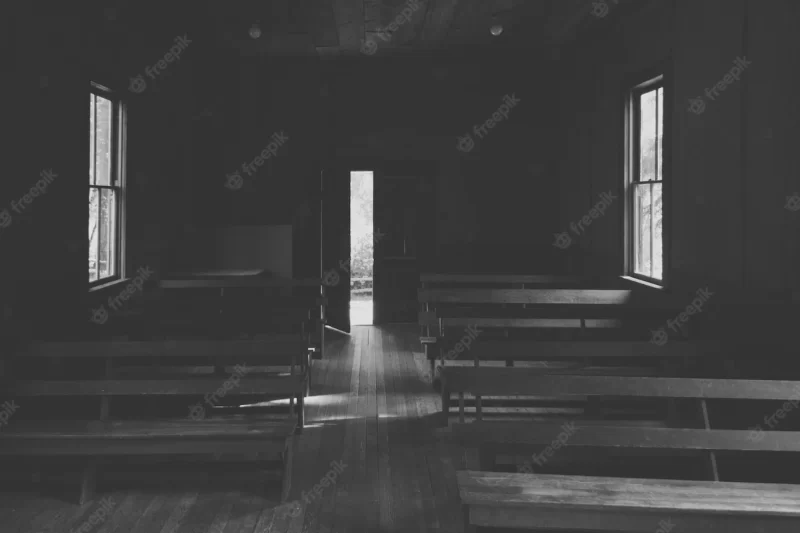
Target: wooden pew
(281, 295)
(612, 358)
(601, 503)
(427, 319)
(523, 317)
(111, 371)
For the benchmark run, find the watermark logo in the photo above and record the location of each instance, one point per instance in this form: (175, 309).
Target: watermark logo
(568, 430)
(564, 240)
(370, 46)
(234, 181)
(138, 85)
(294, 508)
(466, 144)
(698, 105)
(198, 412)
(331, 278)
(8, 409)
(660, 336)
(793, 203)
(5, 218)
(100, 315)
(600, 8)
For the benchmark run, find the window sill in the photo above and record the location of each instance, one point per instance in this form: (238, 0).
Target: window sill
(109, 285)
(644, 283)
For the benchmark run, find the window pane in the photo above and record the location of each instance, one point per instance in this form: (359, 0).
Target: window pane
(642, 237)
(647, 136)
(658, 228)
(107, 233)
(102, 147)
(91, 139)
(94, 208)
(660, 136)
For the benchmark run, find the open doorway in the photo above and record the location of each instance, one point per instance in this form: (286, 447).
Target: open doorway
(361, 247)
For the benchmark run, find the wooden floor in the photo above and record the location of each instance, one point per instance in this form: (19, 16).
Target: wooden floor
(371, 409)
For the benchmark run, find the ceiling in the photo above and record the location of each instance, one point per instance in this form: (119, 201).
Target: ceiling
(336, 28)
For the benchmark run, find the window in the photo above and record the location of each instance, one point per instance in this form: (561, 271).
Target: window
(645, 194)
(106, 194)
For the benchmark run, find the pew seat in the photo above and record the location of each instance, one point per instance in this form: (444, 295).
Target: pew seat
(555, 502)
(94, 439)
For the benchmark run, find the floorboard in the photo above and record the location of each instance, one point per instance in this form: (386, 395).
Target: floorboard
(371, 407)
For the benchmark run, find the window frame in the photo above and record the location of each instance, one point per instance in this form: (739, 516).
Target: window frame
(117, 180)
(641, 83)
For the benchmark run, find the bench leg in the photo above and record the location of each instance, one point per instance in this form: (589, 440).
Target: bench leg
(436, 378)
(468, 528)
(288, 456)
(88, 483)
(445, 420)
(308, 373)
(301, 420)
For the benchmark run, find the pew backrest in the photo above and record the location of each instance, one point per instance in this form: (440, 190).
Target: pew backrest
(494, 381)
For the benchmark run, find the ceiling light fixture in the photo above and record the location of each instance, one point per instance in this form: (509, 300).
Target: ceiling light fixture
(255, 30)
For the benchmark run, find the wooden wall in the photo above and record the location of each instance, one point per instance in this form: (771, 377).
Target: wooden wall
(733, 165)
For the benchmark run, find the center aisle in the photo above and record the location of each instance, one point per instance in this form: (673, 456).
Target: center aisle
(371, 430)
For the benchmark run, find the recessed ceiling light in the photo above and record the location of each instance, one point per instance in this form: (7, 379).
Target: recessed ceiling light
(496, 30)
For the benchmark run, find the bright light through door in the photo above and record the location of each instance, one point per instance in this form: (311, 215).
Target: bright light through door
(361, 247)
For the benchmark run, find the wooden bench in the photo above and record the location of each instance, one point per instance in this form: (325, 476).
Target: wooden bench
(428, 320)
(492, 386)
(290, 299)
(513, 321)
(547, 501)
(92, 380)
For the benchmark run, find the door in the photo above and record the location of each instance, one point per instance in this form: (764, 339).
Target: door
(335, 253)
(404, 235)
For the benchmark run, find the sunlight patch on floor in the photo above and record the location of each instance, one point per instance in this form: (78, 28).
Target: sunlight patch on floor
(361, 312)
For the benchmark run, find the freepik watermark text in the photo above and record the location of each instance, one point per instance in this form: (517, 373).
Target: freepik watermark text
(757, 432)
(698, 105)
(100, 315)
(294, 508)
(235, 181)
(661, 336)
(467, 143)
(198, 412)
(99, 516)
(370, 46)
(138, 84)
(564, 240)
(8, 409)
(18, 206)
